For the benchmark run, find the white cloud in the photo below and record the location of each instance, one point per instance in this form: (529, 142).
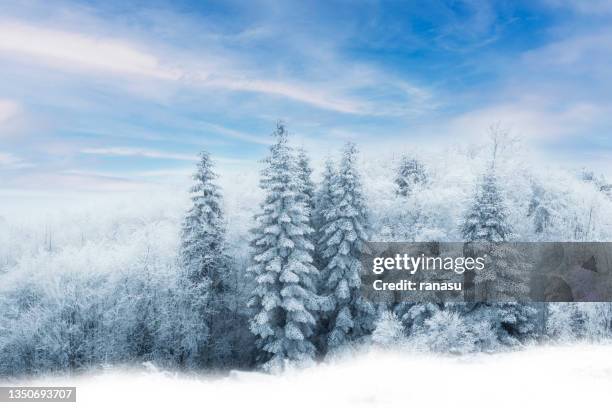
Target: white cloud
(73, 50)
(138, 152)
(557, 91)
(9, 161)
(313, 96)
(70, 50)
(532, 119)
(8, 109)
(574, 52)
(98, 55)
(234, 134)
(584, 6)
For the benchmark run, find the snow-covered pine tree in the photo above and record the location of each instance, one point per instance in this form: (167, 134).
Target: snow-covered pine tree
(307, 193)
(486, 221)
(414, 314)
(304, 172)
(324, 200)
(284, 297)
(506, 274)
(202, 249)
(518, 320)
(409, 174)
(344, 236)
(205, 265)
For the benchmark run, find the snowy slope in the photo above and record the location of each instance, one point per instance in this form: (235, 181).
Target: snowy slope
(554, 376)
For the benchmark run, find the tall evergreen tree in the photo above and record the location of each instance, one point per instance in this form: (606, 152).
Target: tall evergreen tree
(304, 171)
(203, 232)
(409, 174)
(344, 236)
(206, 265)
(505, 276)
(284, 296)
(307, 193)
(486, 221)
(324, 201)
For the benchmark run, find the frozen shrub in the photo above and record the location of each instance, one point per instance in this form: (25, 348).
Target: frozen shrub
(388, 331)
(447, 332)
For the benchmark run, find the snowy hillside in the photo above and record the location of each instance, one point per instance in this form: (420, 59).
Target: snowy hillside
(555, 376)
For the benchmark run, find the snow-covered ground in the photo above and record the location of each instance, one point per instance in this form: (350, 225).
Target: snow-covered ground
(552, 376)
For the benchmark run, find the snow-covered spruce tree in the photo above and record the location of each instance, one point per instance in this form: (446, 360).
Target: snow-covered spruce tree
(284, 297)
(324, 201)
(486, 221)
(518, 321)
(307, 195)
(414, 314)
(304, 172)
(205, 268)
(409, 174)
(506, 274)
(343, 240)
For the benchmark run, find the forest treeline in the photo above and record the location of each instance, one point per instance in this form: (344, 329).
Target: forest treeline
(295, 297)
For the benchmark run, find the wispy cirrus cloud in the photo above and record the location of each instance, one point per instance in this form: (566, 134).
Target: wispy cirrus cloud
(100, 54)
(137, 152)
(77, 51)
(313, 96)
(159, 82)
(587, 7)
(9, 161)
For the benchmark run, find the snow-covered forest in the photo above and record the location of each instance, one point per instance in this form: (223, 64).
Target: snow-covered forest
(244, 275)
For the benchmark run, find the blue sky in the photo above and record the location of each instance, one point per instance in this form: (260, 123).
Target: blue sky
(110, 95)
